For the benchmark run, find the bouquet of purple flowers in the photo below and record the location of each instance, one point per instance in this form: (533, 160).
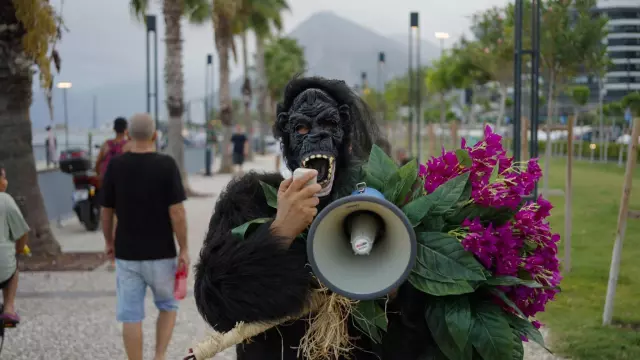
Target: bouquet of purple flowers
(487, 258)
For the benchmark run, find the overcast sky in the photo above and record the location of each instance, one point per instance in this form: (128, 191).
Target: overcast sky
(103, 52)
(106, 46)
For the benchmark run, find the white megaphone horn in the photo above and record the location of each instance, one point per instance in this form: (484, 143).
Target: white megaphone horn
(362, 246)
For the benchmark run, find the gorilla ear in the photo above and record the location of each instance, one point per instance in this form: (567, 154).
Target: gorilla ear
(345, 115)
(282, 121)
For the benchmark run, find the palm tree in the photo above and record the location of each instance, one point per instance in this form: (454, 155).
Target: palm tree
(265, 16)
(30, 31)
(223, 15)
(197, 11)
(284, 58)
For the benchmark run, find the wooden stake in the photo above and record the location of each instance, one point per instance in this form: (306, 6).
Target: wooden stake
(566, 266)
(454, 134)
(632, 158)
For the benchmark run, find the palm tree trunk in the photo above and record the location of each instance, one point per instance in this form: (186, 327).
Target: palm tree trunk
(226, 105)
(16, 152)
(262, 92)
(502, 108)
(247, 103)
(443, 119)
(174, 82)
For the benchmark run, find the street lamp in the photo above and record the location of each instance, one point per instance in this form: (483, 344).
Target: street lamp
(417, 81)
(150, 21)
(363, 77)
(380, 86)
(208, 151)
(65, 85)
(442, 36)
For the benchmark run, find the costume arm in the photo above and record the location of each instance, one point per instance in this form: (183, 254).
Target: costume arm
(252, 279)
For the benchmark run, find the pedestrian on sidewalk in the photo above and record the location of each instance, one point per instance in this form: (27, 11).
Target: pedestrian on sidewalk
(110, 149)
(51, 147)
(240, 149)
(144, 189)
(13, 237)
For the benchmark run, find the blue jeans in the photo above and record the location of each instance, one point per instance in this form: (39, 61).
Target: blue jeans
(132, 279)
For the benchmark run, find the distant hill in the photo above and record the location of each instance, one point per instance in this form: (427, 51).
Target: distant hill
(335, 47)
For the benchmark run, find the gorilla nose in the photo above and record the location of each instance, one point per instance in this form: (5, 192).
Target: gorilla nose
(318, 136)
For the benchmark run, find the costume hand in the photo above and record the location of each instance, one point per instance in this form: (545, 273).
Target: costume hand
(296, 206)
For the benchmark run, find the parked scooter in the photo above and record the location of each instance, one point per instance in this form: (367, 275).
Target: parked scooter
(86, 183)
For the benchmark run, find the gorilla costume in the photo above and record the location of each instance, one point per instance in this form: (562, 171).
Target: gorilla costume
(258, 279)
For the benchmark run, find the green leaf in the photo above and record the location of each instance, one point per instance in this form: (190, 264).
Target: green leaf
(500, 294)
(490, 333)
(444, 255)
(512, 281)
(494, 173)
(448, 194)
(244, 230)
(379, 168)
(392, 187)
(438, 288)
(418, 209)
(408, 175)
(523, 327)
(433, 223)
(457, 313)
(435, 316)
(518, 348)
(371, 319)
(430, 275)
(463, 158)
(497, 216)
(271, 194)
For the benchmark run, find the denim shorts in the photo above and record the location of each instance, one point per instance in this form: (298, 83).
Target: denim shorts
(132, 279)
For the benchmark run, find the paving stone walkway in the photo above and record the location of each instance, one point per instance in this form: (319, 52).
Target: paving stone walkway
(71, 315)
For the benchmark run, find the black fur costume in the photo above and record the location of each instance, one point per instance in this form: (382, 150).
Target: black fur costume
(258, 279)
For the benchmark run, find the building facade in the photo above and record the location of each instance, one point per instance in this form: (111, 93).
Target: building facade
(623, 47)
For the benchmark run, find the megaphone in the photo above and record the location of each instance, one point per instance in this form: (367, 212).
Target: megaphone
(362, 246)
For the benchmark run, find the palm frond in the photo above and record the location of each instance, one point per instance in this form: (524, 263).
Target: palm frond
(138, 9)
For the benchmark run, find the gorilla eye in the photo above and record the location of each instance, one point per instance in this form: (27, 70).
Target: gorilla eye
(302, 129)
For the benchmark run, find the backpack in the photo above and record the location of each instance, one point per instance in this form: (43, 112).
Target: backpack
(113, 149)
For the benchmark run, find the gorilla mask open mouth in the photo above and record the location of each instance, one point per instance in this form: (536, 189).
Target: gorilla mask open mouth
(326, 167)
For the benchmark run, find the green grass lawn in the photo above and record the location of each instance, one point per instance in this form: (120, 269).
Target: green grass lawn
(575, 317)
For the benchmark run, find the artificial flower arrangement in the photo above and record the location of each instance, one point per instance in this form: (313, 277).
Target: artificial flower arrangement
(487, 258)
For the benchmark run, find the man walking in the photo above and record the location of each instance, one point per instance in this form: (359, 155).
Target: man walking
(50, 147)
(13, 237)
(144, 189)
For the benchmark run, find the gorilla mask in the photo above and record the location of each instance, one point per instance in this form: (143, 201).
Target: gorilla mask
(319, 122)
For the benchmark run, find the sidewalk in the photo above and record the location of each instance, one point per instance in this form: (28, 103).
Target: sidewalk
(71, 315)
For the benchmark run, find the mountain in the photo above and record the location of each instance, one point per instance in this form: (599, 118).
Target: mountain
(338, 48)
(335, 47)
(428, 50)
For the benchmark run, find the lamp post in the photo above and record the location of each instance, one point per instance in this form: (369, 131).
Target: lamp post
(517, 83)
(208, 156)
(414, 22)
(363, 84)
(65, 86)
(442, 36)
(380, 87)
(150, 21)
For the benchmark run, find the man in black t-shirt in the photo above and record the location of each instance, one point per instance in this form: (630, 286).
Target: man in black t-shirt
(240, 148)
(144, 190)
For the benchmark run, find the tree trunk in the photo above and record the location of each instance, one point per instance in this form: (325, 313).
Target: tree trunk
(174, 83)
(601, 119)
(568, 199)
(226, 105)
(547, 148)
(16, 150)
(261, 85)
(247, 105)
